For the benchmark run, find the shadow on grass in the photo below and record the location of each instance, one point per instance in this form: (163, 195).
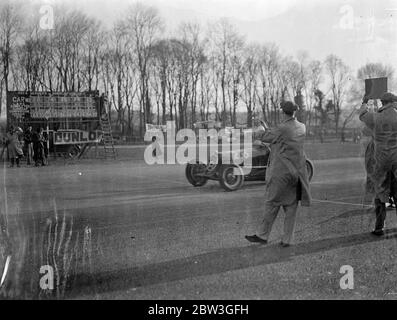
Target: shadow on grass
(216, 262)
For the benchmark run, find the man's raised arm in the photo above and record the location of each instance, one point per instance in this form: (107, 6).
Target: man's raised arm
(365, 115)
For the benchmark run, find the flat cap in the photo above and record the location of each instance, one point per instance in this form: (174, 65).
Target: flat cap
(388, 96)
(288, 106)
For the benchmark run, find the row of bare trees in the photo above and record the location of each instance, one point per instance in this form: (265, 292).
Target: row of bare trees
(196, 75)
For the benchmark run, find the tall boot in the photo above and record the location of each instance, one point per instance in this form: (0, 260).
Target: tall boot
(17, 160)
(380, 211)
(12, 163)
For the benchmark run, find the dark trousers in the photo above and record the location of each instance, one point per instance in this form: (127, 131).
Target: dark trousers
(380, 212)
(29, 158)
(15, 160)
(38, 154)
(271, 212)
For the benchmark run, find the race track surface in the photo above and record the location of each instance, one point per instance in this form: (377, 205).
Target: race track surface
(125, 230)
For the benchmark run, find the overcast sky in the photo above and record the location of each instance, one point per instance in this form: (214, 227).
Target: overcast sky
(359, 31)
(241, 9)
(244, 10)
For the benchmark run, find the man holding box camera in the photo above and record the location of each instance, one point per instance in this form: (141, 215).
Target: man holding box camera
(383, 124)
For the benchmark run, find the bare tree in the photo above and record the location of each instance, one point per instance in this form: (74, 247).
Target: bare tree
(294, 75)
(338, 74)
(249, 79)
(10, 24)
(194, 42)
(321, 113)
(115, 61)
(92, 47)
(161, 63)
(144, 25)
(226, 44)
(311, 86)
(271, 86)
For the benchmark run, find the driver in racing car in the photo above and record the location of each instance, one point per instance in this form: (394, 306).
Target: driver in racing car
(259, 148)
(287, 178)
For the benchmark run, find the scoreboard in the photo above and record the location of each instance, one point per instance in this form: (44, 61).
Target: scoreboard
(31, 107)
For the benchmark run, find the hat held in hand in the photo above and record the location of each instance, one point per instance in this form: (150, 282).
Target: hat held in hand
(288, 106)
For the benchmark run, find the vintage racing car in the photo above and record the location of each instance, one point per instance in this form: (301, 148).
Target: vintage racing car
(232, 176)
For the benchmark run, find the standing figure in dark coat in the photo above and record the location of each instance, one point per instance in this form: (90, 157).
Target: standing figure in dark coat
(14, 146)
(29, 145)
(383, 123)
(38, 147)
(45, 147)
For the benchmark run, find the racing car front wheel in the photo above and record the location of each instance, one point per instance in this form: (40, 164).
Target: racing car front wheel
(231, 178)
(193, 172)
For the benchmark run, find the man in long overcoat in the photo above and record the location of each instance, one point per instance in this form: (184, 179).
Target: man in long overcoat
(383, 124)
(15, 151)
(287, 181)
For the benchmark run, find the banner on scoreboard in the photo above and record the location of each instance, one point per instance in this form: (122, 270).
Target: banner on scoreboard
(26, 106)
(77, 137)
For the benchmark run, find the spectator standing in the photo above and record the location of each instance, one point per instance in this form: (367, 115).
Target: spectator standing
(38, 147)
(45, 147)
(29, 145)
(383, 123)
(14, 146)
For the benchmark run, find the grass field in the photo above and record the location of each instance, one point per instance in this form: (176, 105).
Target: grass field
(334, 150)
